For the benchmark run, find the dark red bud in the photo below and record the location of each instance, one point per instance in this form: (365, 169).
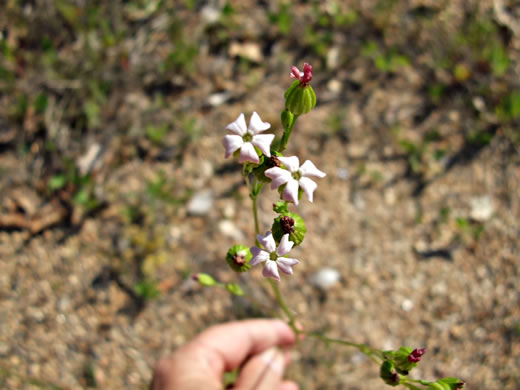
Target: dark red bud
(273, 162)
(394, 377)
(287, 224)
(416, 354)
(239, 259)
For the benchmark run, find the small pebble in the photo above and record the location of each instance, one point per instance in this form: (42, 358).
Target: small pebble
(325, 278)
(201, 203)
(482, 208)
(407, 305)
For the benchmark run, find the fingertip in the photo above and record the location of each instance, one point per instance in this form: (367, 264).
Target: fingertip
(289, 385)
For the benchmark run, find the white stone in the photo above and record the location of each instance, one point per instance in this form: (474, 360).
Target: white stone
(343, 173)
(482, 208)
(87, 161)
(325, 278)
(228, 228)
(201, 203)
(407, 305)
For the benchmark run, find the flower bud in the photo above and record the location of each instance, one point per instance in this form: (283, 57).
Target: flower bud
(238, 257)
(300, 98)
(406, 359)
(388, 374)
(447, 384)
(289, 223)
(204, 279)
(267, 162)
(415, 355)
(234, 289)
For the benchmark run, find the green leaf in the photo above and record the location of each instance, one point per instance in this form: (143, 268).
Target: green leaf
(57, 182)
(147, 289)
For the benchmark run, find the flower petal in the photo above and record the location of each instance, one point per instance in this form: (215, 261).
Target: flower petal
(248, 153)
(308, 187)
(271, 270)
(256, 125)
(232, 143)
(295, 73)
(291, 163)
(290, 193)
(263, 142)
(285, 245)
(267, 241)
(259, 256)
(239, 126)
(278, 176)
(309, 169)
(286, 263)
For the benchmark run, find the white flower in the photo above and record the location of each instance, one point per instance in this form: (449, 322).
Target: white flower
(273, 256)
(294, 176)
(246, 138)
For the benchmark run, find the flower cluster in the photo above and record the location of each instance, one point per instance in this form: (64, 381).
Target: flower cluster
(250, 145)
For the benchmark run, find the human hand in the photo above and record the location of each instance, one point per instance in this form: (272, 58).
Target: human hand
(251, 345)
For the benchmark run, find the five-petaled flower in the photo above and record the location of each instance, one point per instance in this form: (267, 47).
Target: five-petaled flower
(273, 256)
(294, 176)
(246, 138)
(305, 77)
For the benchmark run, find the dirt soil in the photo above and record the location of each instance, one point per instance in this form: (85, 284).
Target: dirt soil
(111, 121)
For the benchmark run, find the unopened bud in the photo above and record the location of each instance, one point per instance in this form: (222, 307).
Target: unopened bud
(238, 257)
(204, 279)
(388, 374)
(300, 98)
(415, 355)
(289, 223)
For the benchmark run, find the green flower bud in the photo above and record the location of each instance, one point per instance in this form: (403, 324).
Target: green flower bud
(238, 257)
(204, 279)
(388, 374)
(447, 384)
(290, 223)
(406, 359)
(300, 98)
(234, 289)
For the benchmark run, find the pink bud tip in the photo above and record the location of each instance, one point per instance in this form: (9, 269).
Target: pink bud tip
(295, 73)
(416, 354)
(195, 277)
(307, 73)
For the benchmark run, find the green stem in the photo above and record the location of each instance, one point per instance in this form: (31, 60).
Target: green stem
(253, 193)
(372, 354)
(255, 215)
(286, 135)
(284, 307)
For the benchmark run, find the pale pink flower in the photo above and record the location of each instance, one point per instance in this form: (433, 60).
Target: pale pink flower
(294, 176)
(246, 138)
(273, 256)
(305, 77)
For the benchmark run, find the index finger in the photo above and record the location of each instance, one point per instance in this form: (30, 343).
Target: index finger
(226, 346)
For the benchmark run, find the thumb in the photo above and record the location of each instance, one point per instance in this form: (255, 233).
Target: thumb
(263, 371)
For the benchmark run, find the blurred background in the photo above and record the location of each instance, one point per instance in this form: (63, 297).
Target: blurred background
(114, 187)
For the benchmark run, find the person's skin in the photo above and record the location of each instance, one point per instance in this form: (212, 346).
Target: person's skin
(252, 345)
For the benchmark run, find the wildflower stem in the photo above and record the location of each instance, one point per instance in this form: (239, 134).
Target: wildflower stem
(254, 190)
(372, 354)
(283, 306)
(286, 135)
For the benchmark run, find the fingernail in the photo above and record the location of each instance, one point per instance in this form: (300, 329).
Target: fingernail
(273, 358)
